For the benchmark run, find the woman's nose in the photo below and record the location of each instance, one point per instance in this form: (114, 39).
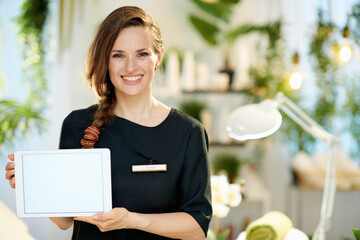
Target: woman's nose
(130, 64)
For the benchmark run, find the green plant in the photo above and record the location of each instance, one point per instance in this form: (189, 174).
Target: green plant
(356, 233)
(220, 236)
(354, 20)
(213, 23)
(326, 72)
(329, 107)
(230, 163)
(31, 24)
(331, 79)
(269, 74)
(18, 119)
(193, 108)
(352, 104)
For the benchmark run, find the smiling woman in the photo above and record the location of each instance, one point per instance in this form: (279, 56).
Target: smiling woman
(170, 199)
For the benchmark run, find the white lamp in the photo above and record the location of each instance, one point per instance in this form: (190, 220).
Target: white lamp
(263, 119)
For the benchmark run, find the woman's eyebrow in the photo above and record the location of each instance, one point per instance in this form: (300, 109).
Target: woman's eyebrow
(142, 49)
(119, 51)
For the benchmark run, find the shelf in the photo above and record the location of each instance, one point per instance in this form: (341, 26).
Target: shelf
(213, 91)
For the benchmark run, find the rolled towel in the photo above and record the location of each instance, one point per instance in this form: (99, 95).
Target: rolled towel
(273, 225)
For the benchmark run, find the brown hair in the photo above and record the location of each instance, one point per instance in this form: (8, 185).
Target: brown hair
(98, 55)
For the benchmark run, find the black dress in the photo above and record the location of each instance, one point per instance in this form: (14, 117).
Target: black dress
(179, 141)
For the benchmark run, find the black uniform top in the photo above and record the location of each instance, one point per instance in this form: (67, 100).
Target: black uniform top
(179, 141)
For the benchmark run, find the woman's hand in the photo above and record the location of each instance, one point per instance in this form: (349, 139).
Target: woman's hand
(10, 171)
(117, 218)
(177, 225)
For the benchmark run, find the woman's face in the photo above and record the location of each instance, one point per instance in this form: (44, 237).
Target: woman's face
(133, 61)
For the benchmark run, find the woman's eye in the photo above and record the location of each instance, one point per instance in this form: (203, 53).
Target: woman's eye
(143, 54)
(117, 55)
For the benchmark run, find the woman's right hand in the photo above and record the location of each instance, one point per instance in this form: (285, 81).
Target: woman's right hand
(10, 171)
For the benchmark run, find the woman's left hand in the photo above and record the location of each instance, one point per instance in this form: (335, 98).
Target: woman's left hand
(117, 218)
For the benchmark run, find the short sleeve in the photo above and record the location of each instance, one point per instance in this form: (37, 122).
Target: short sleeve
(195, 182)
(66, 135)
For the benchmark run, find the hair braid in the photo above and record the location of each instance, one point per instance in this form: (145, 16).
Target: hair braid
(103, 116)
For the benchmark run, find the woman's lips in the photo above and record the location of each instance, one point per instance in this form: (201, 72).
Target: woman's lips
(132, 80)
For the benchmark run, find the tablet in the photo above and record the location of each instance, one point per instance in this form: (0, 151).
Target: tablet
(63, 183)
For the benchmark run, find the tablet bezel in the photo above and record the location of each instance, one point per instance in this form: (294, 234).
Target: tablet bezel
(106, 183)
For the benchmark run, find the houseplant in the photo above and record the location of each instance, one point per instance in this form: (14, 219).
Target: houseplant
(20, 118)
(193, 108)
(228, 163)
(213, 23)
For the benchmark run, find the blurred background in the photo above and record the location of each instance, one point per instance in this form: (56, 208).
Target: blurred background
(219, 55)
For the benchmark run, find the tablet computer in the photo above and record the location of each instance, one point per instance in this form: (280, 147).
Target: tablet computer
(63, 183)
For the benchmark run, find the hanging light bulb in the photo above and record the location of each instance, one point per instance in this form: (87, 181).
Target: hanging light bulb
(345, 52)
(296, 78)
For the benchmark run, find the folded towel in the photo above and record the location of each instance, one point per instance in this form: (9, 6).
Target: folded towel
(273, 225)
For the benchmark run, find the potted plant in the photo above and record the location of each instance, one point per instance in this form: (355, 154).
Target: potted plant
(228, 163)
(193, 108)
(213, 24)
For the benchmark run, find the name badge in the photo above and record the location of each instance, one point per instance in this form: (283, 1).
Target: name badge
(149, 168)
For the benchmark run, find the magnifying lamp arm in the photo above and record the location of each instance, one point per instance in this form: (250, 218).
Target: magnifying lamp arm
(315, 130)
(304, 120)
(327, 204)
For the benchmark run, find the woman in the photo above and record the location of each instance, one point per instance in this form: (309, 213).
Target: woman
(139, 130)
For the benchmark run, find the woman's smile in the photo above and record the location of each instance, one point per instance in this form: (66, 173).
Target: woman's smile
(132, 79)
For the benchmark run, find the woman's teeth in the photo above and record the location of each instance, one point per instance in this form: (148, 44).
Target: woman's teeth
(132, 79)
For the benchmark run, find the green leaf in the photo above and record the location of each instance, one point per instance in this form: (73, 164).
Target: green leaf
(18, 120)
(219, 10)
(207, 30)
(241, 30)
(228, 162)
(223, 235)
(356, 233)
(33, 16)
(193, 108)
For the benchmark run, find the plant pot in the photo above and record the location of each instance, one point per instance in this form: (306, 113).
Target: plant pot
(230, 72)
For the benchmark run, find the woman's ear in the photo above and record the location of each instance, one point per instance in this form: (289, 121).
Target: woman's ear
(160, 58)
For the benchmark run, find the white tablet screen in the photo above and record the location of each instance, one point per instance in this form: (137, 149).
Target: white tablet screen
(64, 182)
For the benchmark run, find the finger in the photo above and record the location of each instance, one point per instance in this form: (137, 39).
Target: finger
(11, 157)
(83, 218)
(10, 174)
(12, 182)
(100, 217)
(86, 219)
(10, 166)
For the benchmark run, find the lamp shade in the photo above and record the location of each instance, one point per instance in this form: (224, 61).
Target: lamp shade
(254, 121)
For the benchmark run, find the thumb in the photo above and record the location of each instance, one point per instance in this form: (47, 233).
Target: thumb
(100, 216)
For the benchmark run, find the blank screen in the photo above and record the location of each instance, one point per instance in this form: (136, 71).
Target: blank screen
(63, 183)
